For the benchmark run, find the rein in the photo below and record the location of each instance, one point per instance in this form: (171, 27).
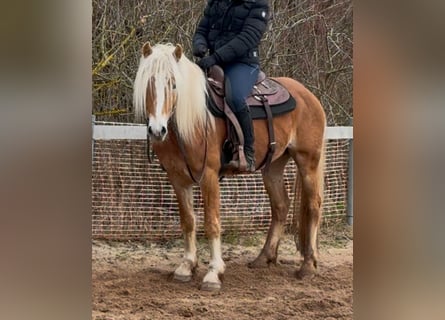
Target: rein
(184, 153)
(149, 154)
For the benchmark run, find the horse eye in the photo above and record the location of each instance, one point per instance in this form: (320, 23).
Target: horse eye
(172, 83)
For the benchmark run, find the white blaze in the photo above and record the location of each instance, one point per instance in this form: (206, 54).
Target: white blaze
(159, 120)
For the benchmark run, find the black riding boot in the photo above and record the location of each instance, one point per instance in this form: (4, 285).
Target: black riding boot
(245, 122)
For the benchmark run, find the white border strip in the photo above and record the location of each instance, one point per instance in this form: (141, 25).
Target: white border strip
(339, 133)
(104, 132)
(139, 132)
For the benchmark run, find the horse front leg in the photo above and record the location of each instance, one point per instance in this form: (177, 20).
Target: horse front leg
(212, 225)
(189, 262)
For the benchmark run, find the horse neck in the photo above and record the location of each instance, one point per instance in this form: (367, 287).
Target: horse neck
(192, 117)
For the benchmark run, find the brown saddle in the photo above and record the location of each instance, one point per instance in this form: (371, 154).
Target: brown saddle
(264, 87)
(265, 94)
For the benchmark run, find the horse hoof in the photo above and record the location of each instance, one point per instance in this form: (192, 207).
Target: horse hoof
(182, 278)
(306, 272)
(211, 286)
(261, 263)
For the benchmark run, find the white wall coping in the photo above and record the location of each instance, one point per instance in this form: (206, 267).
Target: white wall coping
(139, 132)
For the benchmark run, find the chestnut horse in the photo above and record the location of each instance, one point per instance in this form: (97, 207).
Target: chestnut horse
(170, 94)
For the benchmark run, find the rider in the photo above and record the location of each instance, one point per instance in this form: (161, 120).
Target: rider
(231, 31)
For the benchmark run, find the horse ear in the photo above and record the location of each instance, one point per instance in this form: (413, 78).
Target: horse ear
(146, 49)
(178, 52)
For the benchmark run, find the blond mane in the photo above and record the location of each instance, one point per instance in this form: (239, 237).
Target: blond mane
(191, 111)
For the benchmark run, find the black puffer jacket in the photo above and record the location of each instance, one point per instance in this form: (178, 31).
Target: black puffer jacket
(232, 29)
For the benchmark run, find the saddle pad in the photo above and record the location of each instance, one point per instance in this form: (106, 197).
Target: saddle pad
(256, 111)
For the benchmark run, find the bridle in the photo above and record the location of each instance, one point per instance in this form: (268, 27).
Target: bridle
(184, 153)
(173, 126)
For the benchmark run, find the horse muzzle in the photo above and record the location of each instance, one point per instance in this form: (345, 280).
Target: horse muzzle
(157, 134)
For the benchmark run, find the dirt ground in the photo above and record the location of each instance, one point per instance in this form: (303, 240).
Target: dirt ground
(133, 281)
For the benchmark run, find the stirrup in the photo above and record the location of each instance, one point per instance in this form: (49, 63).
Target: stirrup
(233, 165)
(251, 167)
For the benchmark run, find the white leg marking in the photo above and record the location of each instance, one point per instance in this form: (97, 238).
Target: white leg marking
(190, 247)
(216, 265)
(185, 270)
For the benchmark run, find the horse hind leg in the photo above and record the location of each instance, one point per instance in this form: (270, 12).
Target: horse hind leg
(279, 202)
(311, 174)
(185, 270)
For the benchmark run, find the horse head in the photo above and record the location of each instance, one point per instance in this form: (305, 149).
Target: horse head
(168, 85)
(155, 87)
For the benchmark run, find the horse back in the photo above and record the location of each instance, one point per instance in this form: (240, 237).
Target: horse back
(307, 102)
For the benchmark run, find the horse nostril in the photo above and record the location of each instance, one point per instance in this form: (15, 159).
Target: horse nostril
(150, 131)
(163, 130)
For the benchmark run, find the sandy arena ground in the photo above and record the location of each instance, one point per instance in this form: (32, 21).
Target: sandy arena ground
(133, 281)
